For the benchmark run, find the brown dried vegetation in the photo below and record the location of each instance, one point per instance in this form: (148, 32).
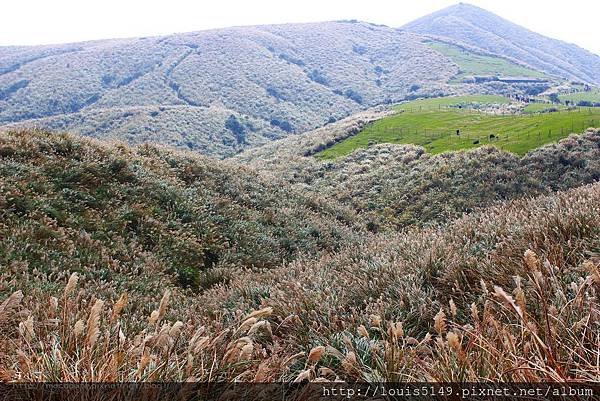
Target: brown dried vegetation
(506, 293)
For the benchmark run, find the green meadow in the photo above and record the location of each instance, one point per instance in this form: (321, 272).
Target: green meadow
(471, 64)
(468, 101)
(433, 124)
(543, 107)
(592, 96)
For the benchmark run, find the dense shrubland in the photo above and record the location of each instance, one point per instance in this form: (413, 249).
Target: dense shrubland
(72, 204)
(404, 185)
(178, 126)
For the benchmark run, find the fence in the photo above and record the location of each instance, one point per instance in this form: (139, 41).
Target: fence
(459, 136)
(471, 110)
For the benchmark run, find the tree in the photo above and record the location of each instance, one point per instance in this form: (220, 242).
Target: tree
(554, 98)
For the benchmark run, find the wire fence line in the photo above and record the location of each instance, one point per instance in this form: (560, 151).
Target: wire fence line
(494, 135)
(458, 134)
(472, 110)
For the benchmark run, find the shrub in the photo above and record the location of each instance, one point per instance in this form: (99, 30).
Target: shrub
(5, 93)
(292, 60)
(237, 128)
(284, 125)
(318, 77)
(272, 91)
(553, 97)
(360, 50)
(353, 95)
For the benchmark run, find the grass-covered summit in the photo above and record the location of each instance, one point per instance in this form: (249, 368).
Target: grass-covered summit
(478, 65)
(472, 26)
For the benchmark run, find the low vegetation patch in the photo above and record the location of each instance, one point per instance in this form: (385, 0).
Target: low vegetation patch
(590, 96)
(543, 108)
(405, 185)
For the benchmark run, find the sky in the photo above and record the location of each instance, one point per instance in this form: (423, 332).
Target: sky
(30, 22)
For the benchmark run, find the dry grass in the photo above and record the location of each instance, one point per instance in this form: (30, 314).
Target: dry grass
(510, 293)
(70, 204)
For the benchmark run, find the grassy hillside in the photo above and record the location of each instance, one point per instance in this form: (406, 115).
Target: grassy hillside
(592, 96)
(472, 64)
(469, 25)
(512, 286)
(431, 124)
(467, 101)
(542, 108)
(182, 89)
(109, 211)
(405, 186)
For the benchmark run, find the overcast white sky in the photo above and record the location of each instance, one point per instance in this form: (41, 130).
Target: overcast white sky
(59, 21)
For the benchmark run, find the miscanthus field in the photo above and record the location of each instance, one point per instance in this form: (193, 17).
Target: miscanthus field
(128, 264)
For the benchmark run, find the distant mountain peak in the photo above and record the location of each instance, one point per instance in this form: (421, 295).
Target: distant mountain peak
(461, 7)
(474, 26)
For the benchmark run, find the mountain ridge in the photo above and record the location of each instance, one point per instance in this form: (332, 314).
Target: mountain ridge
(509, 39)
(274, 81)
(221, 91)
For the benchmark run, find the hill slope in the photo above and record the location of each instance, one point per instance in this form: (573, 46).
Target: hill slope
(224, 90)
(69, 203)
(481, 29)
(183, 89)
(431, 304)
(429, 124)
(405, 185)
